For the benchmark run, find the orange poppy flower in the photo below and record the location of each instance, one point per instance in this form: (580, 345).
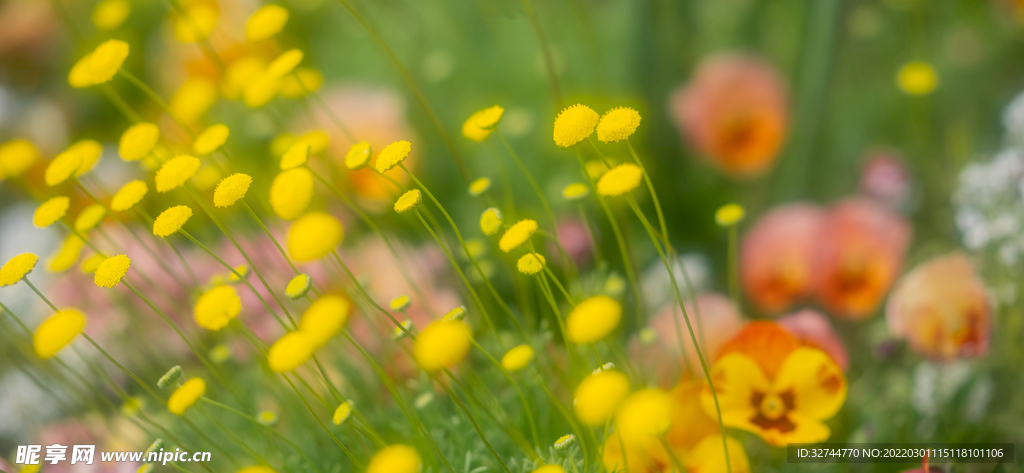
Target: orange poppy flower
(776, 256)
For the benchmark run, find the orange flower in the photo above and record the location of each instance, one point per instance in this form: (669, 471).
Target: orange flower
(814, 330)
(734, 113)
(858, 255)
(766, 342)
(776, 256)
(941, 308)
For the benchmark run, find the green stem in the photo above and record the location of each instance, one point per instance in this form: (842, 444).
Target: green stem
(522, 397)
(473, 421)
(265, 427)
(549, 60)
(366, 295)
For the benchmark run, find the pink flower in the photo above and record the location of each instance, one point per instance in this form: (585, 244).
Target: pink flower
(734, 112)
(575, 238)
(941, 309)
(814, 329)
(776, 256)
(885, 178)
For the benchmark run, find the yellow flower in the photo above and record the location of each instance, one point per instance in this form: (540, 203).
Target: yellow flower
(517, 234)
(574, 124)
(284, 64)
(175, 172)
(324, 318)
(231, 189)
(239, 273)
(78, 76)
(396, 458)
(138, 140)
(186, 395)
(455, 314)
(305, 80)
(442, 344)
(531, 263)
(358, 155)
(100, 65)
(644, 415)
(195, 23)
(57, 331)
(16, 156)
(299, 286)
(267, 418)
(401, 332)
(400, 303)
(290, 351)
(16, 268)
(62, 167)
(575, 191)
(517, 358)
(617, 124)
(240, 73)
(408, 201)
(290, 192)
(595, 168)
(90, 217)
(917, 78)
(110, 14)
(550, 469)
(392, 155)
(217, 307)
(480, 124)
(342, 413)
(50, 211)
(807, 389)
(129, 195)
(593, 319)
(296, 156)
(67, 255)
(490, 221)
(479, 186)
(261, 90)
(620, 180)
(597, 396)
(89, 151)
(729, 215)
(170, 221)
(318, 141)
(266, 22)
(91, 264)
(212, 138)
(111, 271)
(193, 99)
(709, 455)
(314, 236)
(564, 442)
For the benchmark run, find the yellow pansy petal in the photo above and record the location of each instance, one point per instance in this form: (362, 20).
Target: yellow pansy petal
(817, 383)
(708, 456)
(736, 378)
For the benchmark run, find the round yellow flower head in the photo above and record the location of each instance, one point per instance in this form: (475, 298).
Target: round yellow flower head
(531, 263)
(729, 215)
(358, 156)
(268, 418)
(314, 236)
(318, 141)
(129, 195)
(111, 271)
(261, 90)
(597, 396)
(238, 273)
(392, 155)
(89, 151)
(490, 221)
(595, 168)
(455, 314)
(217, 307)
(296, 156)
(266, 22)
(211, 139)
(138, 140)
(57, 331)
(593, 319)
(575, 191)
(193, 99)
(284, 64)
(175, 172)
(480, 124)
(574, 124)
(231, 189)
(16, 268)
(106, 60)
(917, 78)
(304, 81)
(110, 14)
(564, 442)
(479, 186)
(408, 201)
(16, 156)
(517, 358)
(170, 221)
(50, 211)
(400, 303)
(442, 344)
(644, 415)
(617, 124)
(299, 286)
(396, 458)
(240, 73)
(550, 469)
(517, 234)
(401, 332)
(67, 255)
(90, 217)
(342, 413)
(195, 23)
(186, 395)
(91, 264)
(323, 318)
(79, 76)
(620, 180)
(62, 167)
(290, 351)
(290, 192)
